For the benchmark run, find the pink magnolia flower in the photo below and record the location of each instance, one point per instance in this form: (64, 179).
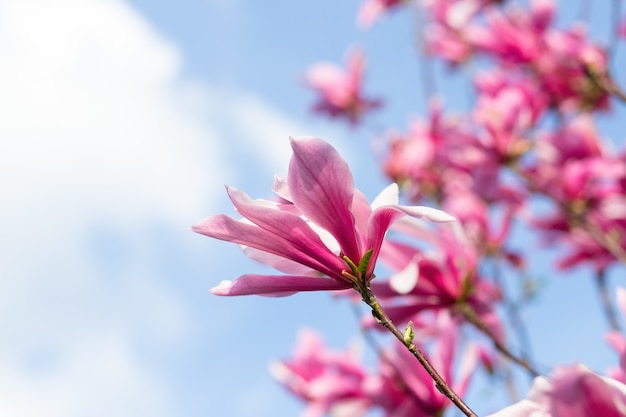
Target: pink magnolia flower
(571, 391)
(321, 222)
(448, 31)
(340, 90)
(431, 154)
(586, 181)
(506, 112)
(329, 381)
(436, 280)
(559, 61)
(335, 383)
(372, 10)
(515, 35)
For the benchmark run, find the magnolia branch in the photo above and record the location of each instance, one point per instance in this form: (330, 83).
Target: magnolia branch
(605, 299)
(471, 316)
(379, 314)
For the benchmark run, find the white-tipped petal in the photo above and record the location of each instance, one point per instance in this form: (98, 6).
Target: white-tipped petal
(404, 281)
(222, 287)
(428, 213)
(387, 197)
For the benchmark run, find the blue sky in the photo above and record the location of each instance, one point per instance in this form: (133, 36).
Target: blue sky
(122, 121)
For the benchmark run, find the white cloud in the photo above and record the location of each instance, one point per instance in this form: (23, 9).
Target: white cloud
(103, 142)
(97, 132)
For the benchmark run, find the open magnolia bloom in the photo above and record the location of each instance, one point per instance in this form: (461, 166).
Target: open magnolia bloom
(318, 233)
(571, 391)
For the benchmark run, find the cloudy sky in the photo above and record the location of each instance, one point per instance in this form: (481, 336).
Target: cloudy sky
(121, 122)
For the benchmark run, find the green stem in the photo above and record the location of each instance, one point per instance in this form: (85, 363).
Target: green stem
(370, 299)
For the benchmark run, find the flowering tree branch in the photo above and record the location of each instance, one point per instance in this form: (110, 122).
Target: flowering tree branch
(468, 313)
(607, 304)
(406, 338)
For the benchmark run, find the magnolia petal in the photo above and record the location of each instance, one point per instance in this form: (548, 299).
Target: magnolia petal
(277, 285)
(379, 223)
(277, 262)
(387, 197)
(428, 213)
(226, 228)
(361, 211)
(322, 188)
(384, 216)
(290, 227)
(281, 188)
(404, 281)
(524, 408)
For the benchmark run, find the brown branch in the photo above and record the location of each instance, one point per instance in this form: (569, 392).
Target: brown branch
(404, 386)
(470, 315)
(605, 299)
(370, 299)
(605, 82)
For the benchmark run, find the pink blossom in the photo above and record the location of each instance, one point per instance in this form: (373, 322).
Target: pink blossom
(507, 108)
(329, 381)
(571, 391)
(450, 26)
(587, 182)
(408, 391)
(445, 153)
(559, 61)
(515, 36)
(435, 279)
(433, 152)
(372, 10)
(340, 90)
(321, 221)
(335, 383)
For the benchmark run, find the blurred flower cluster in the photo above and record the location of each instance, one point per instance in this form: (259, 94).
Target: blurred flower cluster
(527, 156)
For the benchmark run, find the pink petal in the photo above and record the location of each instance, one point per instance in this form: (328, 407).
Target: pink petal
(322, 188)
(308, 251)
(427, 213)
(276, 285)
(382, 218)
(524, 408)
(404, 281)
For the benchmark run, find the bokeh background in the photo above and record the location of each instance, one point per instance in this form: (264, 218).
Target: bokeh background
(120, 122)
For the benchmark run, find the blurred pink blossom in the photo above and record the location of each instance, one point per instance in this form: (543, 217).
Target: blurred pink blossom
(587, 183)
(559, 61)
(373, 10)
(340, 90)
(435, 279)
(328, 381)
(408, 391)
(571, 391)
(449, 28)
(335, 383)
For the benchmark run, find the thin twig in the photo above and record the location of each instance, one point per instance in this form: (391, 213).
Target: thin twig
(370, 299)
(514, 316)
(605, 298)
(470, 315)
(385, 358)
(605, 82)
(579, 220)
(615, 21)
